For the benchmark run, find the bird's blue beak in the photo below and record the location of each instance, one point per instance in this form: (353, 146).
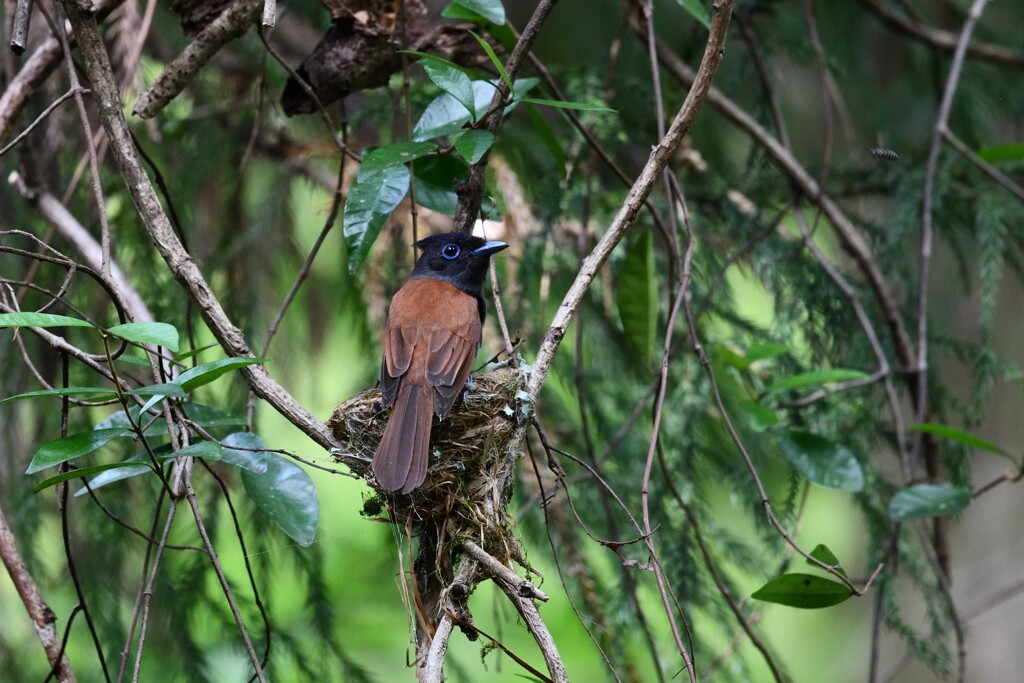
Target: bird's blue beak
(489, 248)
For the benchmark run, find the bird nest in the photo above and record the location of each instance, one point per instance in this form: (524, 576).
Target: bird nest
(470, 462)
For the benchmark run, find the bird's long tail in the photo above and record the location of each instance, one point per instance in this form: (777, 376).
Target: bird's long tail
(401, 458)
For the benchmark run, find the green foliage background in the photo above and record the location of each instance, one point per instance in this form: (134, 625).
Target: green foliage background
(227, 154)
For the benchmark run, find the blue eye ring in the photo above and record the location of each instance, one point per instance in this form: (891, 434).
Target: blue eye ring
(451, 251)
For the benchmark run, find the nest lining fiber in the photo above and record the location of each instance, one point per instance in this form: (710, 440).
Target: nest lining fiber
(468, 449)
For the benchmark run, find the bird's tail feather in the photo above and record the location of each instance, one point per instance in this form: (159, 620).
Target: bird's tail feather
(401, 458)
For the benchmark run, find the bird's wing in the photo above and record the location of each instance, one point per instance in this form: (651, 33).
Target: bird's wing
(452, 352)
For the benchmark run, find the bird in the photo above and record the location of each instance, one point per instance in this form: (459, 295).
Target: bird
(430, 342)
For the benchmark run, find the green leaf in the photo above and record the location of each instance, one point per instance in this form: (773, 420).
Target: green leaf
(815, 378)
(491, 10)
(91, 392)
(286, 494)
(822, 461)
(560, 104)
(445, 115)
(960, 436)
(370, 201)
(472, 145)
(40, 320)
(823, 553)
(398, 154)
(928, 500)
(167, 389)
(159, 334)
(997, 153)
(71, 447)
(805, 591)
(85, 472)
(496, 62)
(764, 351)
(208, 450)
(451, 78)
(132, 467)
(208, 372)
(732, 359)
(638, 296)
(192, 352)
(761, 417)
(210, 417)
(243, 449)
(697, 11)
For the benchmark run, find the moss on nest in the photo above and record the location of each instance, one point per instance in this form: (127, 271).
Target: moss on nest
(469, 450)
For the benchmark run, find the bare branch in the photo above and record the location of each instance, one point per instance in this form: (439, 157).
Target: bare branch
(233, 22)
(43, 618)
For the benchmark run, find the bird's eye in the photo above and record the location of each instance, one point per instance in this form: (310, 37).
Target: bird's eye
(450, 251)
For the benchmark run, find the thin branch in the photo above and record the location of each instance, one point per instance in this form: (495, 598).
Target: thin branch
(43, 618)
(471, 191)
(943, 40)
(231, 23)
(927, 201)
(850, 236)
(634, 200)
(1006, 181)
(42, 117)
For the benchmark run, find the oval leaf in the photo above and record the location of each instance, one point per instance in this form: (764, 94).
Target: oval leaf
(445, 115)
(285, 493)
(638, 296)
(472, 145)
(71, 447)
(158, 334)
(960, 436)
(824, 554)
(928, 500)
(208, 450)
(491, 10)
(370, 200)
(805, 591)
(40, 320)
(822, 461)
(208, 372)
(451, 79)
(243, 449)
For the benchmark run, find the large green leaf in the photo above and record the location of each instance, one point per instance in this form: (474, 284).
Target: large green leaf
(208, 450)
(370, 201)
(159, 334)
(286, 494)
(822, 461)
(472, 145)
(40, 320)
(805, 591)
(451, 78)
(960, 436)
(638, 296)
(71, 447)
(445, 115)
(211, 417)
(244, 449)
(928, 500)
(491, 10)
(205, 373)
